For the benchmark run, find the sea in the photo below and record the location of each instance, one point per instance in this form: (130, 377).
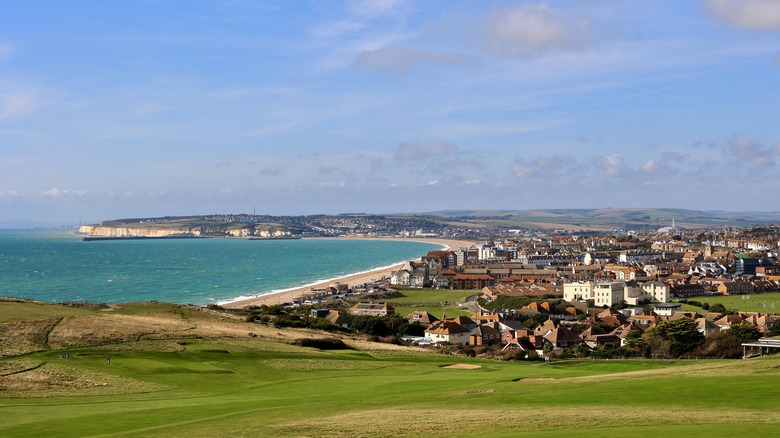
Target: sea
(57, 266)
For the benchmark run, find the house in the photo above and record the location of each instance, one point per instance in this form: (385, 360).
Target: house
(706, 327)
(666, 309)
(521, 343)
(561, 337)
(578, 291)
(421, 317)
(595, 337)
(417, 278)
(401, 277)
(643, 320)
(546, 327)
(338, 318)
(608, 294)
(441, 281)
(371, 309)
(656, 291)
(623, 331)
(485, 335)
(466, 322)
(735, 287)
(472, 281)
(682, 290)
(727, 321)
(450, 332)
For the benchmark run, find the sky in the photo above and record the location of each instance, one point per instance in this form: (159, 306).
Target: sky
(143, 108)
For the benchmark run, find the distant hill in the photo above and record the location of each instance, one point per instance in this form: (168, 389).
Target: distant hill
(609, 218)
(475, 223)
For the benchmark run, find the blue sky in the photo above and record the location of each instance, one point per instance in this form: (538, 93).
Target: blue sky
(155, 107)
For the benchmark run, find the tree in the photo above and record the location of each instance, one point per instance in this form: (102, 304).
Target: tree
(674, 338)
(717, 308)
(534, 320)
(744, 331)
(371, 325)
(634, 340)
(581, 350)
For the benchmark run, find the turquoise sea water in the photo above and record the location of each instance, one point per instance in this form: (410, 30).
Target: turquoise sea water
(56, 266)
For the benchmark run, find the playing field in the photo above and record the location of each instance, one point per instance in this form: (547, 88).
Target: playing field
(764, 303)
(436, 302)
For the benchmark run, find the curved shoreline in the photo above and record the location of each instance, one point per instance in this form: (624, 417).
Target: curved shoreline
(287, 295)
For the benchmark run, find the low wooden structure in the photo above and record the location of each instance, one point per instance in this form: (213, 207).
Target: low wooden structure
(760, 347)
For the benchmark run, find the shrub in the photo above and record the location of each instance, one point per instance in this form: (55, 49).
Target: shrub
(322, 343)
(718, 308)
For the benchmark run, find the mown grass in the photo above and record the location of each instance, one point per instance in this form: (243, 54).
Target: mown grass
(764, 303)
(435, 302)
(263, 386)
(432, 296)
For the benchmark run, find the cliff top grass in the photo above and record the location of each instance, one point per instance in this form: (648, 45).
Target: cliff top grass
(12, 309)
(186, 372)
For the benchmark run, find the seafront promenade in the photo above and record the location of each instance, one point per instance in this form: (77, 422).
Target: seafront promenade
(351, 280)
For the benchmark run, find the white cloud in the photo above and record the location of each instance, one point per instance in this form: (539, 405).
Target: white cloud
(556, 170)
(401, 59)
(56, 192)
(532, 29)
(332, 184)
(649, 166)
(522, 169)
(424, 150)
(763, 15)
(613, 165)
(744, 149)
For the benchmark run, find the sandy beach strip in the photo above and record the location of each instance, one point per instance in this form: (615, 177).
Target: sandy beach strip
(287, 296)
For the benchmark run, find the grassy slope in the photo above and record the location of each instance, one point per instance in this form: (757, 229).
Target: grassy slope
(28, 310)
(242, 386)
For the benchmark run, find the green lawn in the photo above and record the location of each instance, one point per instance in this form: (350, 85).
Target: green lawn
(217, 381)
(216, 388)
(435, 302)
(764, 303)
(433, 296)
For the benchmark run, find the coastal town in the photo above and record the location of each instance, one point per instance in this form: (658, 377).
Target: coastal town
(567, 294)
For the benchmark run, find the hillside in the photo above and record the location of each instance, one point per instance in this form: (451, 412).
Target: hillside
(453, 223)
(610, 218)
(181, 371)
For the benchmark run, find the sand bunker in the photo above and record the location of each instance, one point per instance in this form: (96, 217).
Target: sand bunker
(462, 366)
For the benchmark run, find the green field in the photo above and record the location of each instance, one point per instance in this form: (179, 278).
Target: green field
(435, 302)
(211, 379)
(12, 311)
(764, 303)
